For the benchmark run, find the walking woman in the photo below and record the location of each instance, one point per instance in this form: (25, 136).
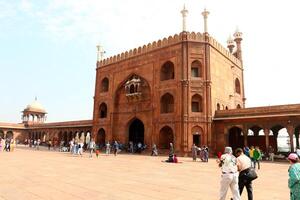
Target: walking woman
(194, 152)
(294, 177)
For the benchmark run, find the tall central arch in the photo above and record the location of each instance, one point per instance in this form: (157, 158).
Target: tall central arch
(136, 131)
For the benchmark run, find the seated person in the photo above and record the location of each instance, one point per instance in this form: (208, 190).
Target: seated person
(170, 159)
(175, 160)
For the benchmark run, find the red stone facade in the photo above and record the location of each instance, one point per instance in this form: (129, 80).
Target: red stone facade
(166, 92)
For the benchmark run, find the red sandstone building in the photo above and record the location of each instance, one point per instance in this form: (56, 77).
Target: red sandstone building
(183, 89)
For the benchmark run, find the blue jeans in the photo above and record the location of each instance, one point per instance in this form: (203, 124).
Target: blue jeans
(258, 163)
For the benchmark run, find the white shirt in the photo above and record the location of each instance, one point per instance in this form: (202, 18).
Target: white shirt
(243, 162)
(298, 152)
(228, 164)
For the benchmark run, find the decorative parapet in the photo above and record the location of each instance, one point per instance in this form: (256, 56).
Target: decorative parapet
(165, 42)
(259, 111)
(224, 51)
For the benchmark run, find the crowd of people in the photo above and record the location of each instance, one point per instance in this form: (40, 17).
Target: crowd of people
(7, 144)
(201, 152)
(238, 171)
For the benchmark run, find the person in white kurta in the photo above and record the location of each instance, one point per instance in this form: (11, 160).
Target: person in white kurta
(229, 177)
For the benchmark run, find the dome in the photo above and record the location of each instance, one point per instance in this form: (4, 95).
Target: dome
(35, 106)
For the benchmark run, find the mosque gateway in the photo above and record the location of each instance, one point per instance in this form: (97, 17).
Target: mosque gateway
(182, 89)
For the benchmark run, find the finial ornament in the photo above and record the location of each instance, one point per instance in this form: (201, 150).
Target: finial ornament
(205, 14)
(184, 13)
(230, 43)
(238, 34)
(100, 52)
(238, 37)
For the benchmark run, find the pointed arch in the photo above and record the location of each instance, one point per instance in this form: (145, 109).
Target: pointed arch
(196, 69)
(197, 103)
(167, 103)
(166, 136)
(103, 110)
(198, 137)
(237, 86)
(167, 71)
(218, 106)
(104, 84)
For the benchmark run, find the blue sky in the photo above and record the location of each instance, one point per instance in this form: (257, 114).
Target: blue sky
(48, 47)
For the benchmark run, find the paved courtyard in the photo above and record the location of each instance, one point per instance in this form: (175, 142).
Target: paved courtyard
(28, 174)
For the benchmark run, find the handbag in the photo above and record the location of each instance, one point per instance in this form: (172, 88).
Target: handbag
(250, 174)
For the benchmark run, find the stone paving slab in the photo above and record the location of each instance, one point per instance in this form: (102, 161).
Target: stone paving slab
(29, 174)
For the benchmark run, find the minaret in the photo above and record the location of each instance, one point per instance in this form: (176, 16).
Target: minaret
(205, 13)
(100, 52)
(184, 13)
(238, 38)
(230, 44)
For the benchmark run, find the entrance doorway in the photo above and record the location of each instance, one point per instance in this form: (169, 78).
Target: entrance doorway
(136, 131)
(235, 138)
(166, 137)
(196, 140)
(101, 138)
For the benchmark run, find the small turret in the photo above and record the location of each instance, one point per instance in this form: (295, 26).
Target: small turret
(205, 14)
(100, 52)
(238, 38)
(184, 13)
(230, 44)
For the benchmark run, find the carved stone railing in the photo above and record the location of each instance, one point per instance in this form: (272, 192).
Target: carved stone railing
(171, 40)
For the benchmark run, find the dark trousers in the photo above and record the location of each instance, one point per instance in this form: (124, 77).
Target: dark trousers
(244, 183)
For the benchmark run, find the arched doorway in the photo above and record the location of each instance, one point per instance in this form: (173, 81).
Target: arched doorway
(9, 135)
(136, 131)
(1, 134)
(235, 138)
(197, 134)
(101, 138)
(166, 137)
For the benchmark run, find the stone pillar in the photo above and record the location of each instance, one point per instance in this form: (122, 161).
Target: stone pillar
(245, 136)
(297, 138)
(185, 94)
(291, 131)
(267, 133)
(184, 13)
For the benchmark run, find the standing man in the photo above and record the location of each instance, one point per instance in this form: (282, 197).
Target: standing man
(243, 164)
(229, 178)
(38, 144)
(116, 148)
(194, 152)
(107, 148)
(92, 146)
(49, 144)
(271, 153)
(154, 150)
(251, 152)
(257, 157)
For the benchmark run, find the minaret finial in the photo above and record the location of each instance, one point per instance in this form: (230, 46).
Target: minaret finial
(100, 52)
(238, 37)
(230, 44)
(205, 14)
(184, 13)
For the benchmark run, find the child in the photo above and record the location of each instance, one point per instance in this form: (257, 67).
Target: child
(97, 153)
